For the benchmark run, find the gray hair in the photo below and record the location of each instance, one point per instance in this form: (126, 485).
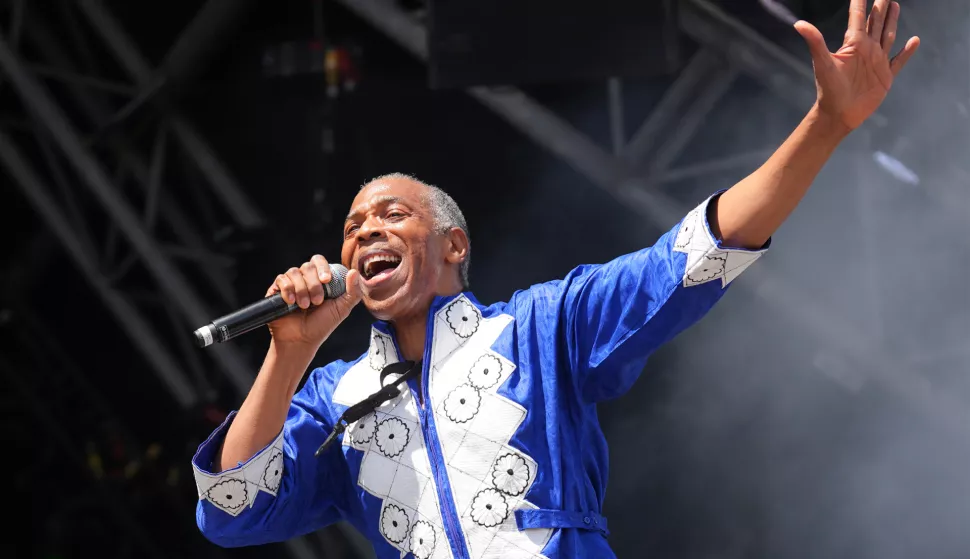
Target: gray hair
(444, 211)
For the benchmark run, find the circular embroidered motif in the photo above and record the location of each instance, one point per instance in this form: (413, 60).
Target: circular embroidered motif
(462, 403)
(422, 539)
(711, 267)
(363, 430)
(273, 472)
(485, 372)
(462, 318)
(378, 352)
(489, 508)
(394, 523)
(229, 493)
(392, 436)
(686, 232)
(510, 474)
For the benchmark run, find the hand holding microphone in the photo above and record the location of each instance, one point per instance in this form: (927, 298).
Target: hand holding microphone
(303, 306)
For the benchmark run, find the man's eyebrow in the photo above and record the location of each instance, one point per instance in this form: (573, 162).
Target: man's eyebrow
(386, 199)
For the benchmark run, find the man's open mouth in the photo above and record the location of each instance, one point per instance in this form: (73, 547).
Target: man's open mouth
(378, 263)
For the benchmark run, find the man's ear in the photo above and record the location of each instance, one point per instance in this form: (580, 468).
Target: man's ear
(458, 246)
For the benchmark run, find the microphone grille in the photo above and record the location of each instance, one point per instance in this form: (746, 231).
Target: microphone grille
(338, 282)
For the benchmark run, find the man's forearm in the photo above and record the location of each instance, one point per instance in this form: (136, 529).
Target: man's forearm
(262, 415)
(752, 210)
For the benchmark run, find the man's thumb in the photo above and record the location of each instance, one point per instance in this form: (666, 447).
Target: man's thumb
(351, 296)
(333, 311)
(816, 43)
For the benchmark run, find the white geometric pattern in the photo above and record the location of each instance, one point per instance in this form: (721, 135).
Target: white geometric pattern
(395, 466)
(474, 425)
(231, 490)
(465, 375)
(705, 261)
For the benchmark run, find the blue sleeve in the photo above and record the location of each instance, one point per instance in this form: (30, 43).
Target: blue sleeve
(281, 492)
(614, 315)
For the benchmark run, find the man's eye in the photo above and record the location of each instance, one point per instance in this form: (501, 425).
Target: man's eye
(351, 229)
(395, 214)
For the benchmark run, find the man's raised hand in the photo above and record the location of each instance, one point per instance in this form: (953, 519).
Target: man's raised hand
(853, 81)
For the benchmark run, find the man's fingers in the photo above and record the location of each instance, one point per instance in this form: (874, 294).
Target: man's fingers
(322, 266)
(900, 60)
(816, 43)
(333, 312)
(275, 288)
(299, 287)
(285, 287)
(889, 33)
(877, 19)
(857, 15)
(313, 285)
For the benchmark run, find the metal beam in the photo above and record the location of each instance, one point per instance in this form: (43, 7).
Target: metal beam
(49, 46)
(740, 160)
(138, 329)
(96, 113)
(550, 131)
(86, 81)
(614, 91)
(184, 230)
(155, 176)
(126, 52)
(169, 279)
(66, 194)
(200, 41)
(676, 140)
(793, 80)
(775, 67)
(664, 116)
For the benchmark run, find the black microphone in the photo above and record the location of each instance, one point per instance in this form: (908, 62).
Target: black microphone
(263, 312)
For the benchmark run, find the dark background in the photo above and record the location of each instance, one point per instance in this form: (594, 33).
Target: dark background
(754, 434)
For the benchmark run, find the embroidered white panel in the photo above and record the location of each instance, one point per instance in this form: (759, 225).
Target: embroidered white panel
(395, 466)
(232, 489)
(488, 478)
(705, 261)
(474, 424)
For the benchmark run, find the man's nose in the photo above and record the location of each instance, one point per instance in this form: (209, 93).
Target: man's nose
(369, 230)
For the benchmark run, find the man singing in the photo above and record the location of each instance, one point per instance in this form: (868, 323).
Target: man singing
(492, 448)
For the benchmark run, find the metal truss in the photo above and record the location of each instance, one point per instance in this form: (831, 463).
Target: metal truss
(93, 165)
(139, 186)
(728, 48)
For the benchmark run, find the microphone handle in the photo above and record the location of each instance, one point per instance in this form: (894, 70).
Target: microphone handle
(244, 320)
(262, 312)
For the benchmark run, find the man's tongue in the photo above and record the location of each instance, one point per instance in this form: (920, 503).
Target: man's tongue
(380, 269)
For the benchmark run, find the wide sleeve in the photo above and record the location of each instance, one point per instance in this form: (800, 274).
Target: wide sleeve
(281, 492)
(614, 315)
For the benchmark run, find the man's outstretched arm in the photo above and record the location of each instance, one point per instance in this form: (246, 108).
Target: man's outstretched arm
(852, 83)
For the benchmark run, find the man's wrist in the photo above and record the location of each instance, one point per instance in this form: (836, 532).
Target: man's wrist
(292, 357)
(826, 127)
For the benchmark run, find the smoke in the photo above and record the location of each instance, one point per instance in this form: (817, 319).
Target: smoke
(839, 425)
(831, 422)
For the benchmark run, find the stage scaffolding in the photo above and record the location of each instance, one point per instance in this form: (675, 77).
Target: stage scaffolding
(85, 164)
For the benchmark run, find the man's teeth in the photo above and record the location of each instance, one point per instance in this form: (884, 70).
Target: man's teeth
(370, 265)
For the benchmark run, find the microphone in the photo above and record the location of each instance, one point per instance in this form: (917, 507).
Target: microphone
(263, 312)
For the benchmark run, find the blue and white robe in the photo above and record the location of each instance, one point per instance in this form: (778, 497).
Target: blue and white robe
(505, 457)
